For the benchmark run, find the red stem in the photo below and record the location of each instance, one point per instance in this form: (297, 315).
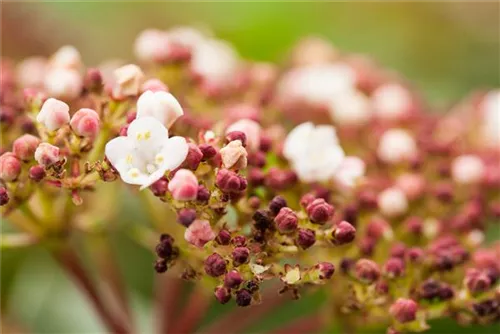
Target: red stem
(192, 313)
(304, 325)
(72, 265)
(235, 321)
(168, 301)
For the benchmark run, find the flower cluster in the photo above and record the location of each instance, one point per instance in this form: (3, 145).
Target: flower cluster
(328, 166)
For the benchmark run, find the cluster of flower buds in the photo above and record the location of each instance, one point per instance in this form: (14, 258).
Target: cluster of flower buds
(361, 178)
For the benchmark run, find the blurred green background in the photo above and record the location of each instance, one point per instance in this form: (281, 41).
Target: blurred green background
(447, 49)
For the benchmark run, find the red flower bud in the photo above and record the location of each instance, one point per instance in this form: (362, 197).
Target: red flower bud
(203, 195)
(394, 267)
(208, 151)
(367, 271)
(230, 182)
(243, 297)
(305, 238)
(233, 279)
(223, 238)
(256, 177)
(319, 211)
(159, 188)
(240, 255)
(4, 196)
(186, 216)
(276, 204)
(193, 157)
(326, 270)
(37, 173)
(404, 310)
(286, 221)
(343, 233)
(215, 265)
(237, 135)
(222, 294)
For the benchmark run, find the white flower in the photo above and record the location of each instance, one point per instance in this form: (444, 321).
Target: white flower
(161, 105)
(63, 83)
(53, 114)
(215, 61)
(467, 169)
(146, 153)
(391, 101)
(152, 45)
(318, 83)
(186, 36)
(491, 118)
(392, 202)
(31, 71)
(314, 152)
(351, 108)
(66, 57)
(350, 171)
(396, 145)
(128, 80)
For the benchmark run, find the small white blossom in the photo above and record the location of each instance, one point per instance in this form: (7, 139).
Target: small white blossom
(396, 145)
(467, 169)
(392, 202)
(160, 105)
(214, 61)
(152, 45)
(186, 36)
(349, 172)
(63, 83)
(146, 153)
(391, 101)
(352, 108)
(314, 152)
(317, 84)
(491, 118)
(66, 57)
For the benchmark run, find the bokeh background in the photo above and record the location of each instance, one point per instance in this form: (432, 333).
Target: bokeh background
(446, 49)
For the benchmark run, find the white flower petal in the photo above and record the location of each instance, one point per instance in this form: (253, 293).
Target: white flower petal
(295, 142)
(117, 149)
(174, 153)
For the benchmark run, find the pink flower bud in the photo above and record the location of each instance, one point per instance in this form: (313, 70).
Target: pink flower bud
(46, 154)
(392, 102)
(85, 123)
(467, 169)
(233, 279)
(392, 202)
(306, 238)
(24, 147)
(37, 173)
(236, 135)
(234, 155)
(154, 85)
(394, 267)
(343, 233)
(477, 281)
(193, 157)
(326, 270)
(66, 57)
(230, 182)
(251, 129)
(93, 80)
(286, 220)
(128, 81)
(319, 211)
(203, 194)
(242, 111)
(276, 204)
(184, 185)
(240, 255)
(63, 83)
(379, 228)
(222, 294)
(10, 167)
(413, 185)
(367, 271)
(31, 72)
(53, 114)
(208, 151)
(4, 196)
(404, 310)
(215, 265)
(199, 233)
(223, 238)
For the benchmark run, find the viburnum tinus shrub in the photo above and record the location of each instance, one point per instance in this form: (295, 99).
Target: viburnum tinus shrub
(327, 171)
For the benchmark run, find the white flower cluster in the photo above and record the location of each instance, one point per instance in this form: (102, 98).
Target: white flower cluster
(316, 156)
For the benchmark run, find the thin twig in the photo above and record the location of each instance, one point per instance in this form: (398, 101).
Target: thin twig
(70, 262)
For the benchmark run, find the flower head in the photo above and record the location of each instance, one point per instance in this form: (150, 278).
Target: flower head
(161, 105)
(314, 152)
(146, 153)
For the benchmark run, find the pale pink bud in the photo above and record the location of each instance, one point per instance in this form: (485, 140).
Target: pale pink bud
(154, 85)
(46, 154)
(396, 145)
(242, 111)
(85, 123)
(152, 45)
(251, 129)
(24, 147)
(31, 72)
(53, 114)
(234, 155)
(66, 57)
(63, 83)
(313, 50)
(199, 233)
(391, 102)
(128, 80)
(413, 185)
(184, 185)
(467, 169)
(392, 202)
(10, 167)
